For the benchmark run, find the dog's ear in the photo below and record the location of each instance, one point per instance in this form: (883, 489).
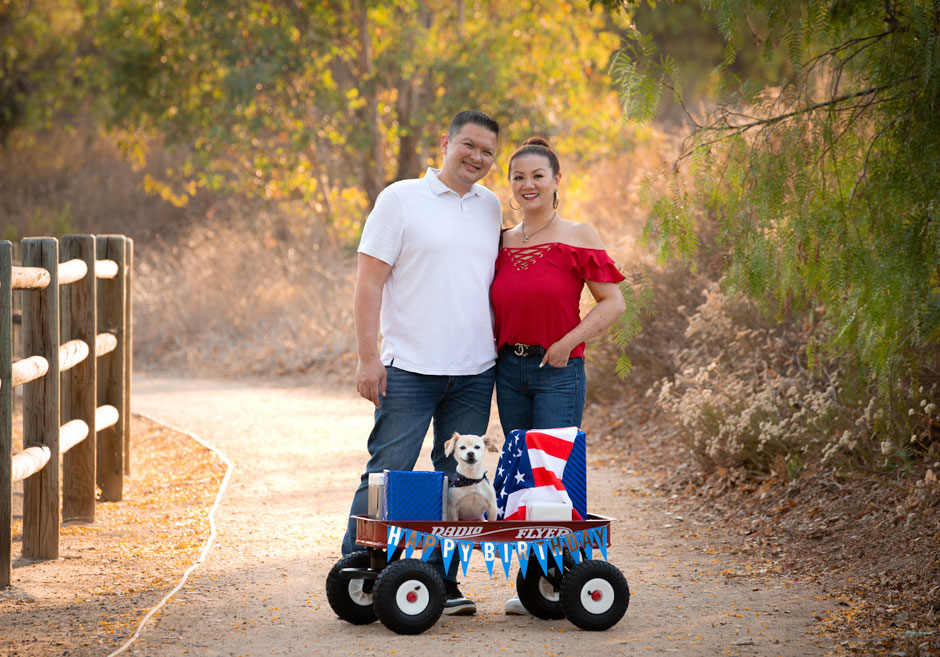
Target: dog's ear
(450, 444)
(490, 443)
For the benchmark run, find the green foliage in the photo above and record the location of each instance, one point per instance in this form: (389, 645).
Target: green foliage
(41, 62)
(638, 297)
(327, 102)
(319, 102)
(674, 44)
(822, 186)
(639, 93)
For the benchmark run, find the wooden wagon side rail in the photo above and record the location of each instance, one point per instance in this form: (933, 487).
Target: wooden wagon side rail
(76, 381)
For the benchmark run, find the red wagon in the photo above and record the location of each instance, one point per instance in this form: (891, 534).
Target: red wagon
(407, 595)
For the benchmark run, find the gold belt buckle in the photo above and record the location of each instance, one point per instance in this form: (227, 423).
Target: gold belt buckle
(520, 349)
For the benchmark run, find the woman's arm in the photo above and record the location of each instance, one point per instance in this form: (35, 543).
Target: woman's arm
(609, 307)
(610, 304)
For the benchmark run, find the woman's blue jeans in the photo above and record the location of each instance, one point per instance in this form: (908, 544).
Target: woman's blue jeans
(455, 403)
(533, 397)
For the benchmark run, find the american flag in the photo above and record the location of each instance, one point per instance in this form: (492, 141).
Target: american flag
(532, 467)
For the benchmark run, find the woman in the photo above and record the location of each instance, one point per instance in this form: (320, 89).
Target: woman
(541, 269)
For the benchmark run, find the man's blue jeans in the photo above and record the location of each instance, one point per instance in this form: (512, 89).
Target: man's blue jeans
(533, 397)
(455, 403)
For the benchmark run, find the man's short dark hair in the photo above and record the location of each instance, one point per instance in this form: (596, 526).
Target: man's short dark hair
(475, 117)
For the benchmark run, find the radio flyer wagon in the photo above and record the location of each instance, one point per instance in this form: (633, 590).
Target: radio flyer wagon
(407, 595)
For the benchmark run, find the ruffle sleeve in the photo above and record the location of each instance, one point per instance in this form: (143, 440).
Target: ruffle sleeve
(590, 264)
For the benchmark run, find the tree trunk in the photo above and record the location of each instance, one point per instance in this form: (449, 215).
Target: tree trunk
(373, 165)
(411, 96)
(409, 104)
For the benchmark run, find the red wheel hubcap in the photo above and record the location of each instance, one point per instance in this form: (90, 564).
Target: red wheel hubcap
(412, 597)
(596, 596)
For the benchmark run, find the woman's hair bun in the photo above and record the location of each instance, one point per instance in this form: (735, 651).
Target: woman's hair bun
(536, 141)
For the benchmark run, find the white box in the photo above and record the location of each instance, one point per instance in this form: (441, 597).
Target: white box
(376, 493)
(548, 511)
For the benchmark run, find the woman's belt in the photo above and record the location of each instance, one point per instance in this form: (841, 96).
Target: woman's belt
(524, 350)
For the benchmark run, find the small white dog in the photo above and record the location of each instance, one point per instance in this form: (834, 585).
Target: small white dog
(470, 493)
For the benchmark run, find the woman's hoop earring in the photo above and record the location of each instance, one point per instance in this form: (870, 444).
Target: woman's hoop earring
(555, 200)
(511, 205)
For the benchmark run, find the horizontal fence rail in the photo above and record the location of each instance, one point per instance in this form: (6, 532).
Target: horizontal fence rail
(75, 376)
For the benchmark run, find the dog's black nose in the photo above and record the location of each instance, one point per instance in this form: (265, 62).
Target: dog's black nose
(471, 457)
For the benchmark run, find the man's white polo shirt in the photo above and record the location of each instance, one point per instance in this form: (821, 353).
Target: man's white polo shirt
(436, 315)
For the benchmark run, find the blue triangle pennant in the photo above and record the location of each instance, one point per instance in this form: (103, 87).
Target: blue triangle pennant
(430, 543)
(465, 548)
(410, 543)
(585, 541)
(489, 556)
(541, 553)
(392, 538)
(522, 552)
(448, 545)
(601, 534)
(505, 555)
(574, 549)
(558, 552)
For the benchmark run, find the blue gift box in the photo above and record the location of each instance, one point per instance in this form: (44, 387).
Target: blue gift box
(414, 495)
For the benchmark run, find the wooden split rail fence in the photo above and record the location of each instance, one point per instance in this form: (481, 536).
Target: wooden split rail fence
(76, 340)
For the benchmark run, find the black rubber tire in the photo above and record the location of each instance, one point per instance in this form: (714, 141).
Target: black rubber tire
(351, 598)
(399, 580)
(609, 585)
(537, 594)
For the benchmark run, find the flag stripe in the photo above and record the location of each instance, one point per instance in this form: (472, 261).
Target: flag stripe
(565, 433)
(558, 447)
(544, 477)
(539, 458)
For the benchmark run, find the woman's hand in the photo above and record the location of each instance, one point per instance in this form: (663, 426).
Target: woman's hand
(556, 355)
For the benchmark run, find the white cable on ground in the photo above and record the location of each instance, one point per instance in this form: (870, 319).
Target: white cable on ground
(212, 532)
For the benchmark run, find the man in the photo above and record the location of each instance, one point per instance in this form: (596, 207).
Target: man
(426, 261)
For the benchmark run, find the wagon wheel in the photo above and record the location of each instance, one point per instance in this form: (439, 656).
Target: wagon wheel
(351, 597)
(595, 595)
(409, 596)
(538, 593)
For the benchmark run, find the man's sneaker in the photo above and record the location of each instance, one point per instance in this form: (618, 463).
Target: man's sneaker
(456, 604)
(514, 607)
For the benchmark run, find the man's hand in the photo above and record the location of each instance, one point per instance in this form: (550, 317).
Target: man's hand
(371, 380)
(370, 373)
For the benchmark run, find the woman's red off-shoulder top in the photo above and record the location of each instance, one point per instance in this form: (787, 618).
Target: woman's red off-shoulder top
(536, 292)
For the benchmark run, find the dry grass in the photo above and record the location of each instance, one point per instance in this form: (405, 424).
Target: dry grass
(254, 290)
(114, 571)
(222, 286)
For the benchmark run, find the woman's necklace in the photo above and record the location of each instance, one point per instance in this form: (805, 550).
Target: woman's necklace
(526, 238)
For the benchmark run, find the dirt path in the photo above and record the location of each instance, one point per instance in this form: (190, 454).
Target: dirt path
(297, 452)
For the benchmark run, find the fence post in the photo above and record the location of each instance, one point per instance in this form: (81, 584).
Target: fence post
(111, 302)
(6, 412)
(79, 384)
(41, 403)
(128, 348)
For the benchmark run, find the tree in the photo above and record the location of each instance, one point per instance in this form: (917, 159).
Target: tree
(41, 62)
(823, 186)
(330, 101)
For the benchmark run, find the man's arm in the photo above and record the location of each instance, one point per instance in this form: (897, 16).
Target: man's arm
(371, 274)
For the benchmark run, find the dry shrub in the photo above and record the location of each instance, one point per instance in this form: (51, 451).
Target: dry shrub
(744, 394)
(75, 179)
(255, 288)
